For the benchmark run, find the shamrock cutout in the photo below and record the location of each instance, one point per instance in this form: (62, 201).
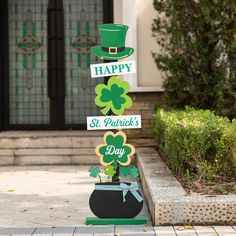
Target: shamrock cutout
(109, 170)
(125, 170)
(94, 171)
(115, 150)
(113, 96)
(134, 172)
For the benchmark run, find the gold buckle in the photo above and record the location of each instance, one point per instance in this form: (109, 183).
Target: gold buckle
(112, 50)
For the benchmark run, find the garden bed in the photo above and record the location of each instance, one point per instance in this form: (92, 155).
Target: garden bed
(200, 148)
(170, 204)
(217, 186)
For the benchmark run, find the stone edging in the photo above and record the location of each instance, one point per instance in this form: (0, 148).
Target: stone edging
(168, 202)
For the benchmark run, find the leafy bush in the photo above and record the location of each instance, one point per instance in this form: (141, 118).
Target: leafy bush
(197, 56)
(197, 142)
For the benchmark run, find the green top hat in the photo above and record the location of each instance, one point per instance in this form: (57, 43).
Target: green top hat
(113, 42)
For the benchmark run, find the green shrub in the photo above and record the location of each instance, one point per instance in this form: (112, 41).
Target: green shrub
(197, 53)
(197, 142)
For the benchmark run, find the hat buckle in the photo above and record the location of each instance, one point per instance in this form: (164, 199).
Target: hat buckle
(112, 42)
(112, 50)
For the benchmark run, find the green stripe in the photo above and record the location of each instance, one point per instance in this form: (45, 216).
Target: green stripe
(79, 60)
(88, 60)
(33, 61)
(17, 73)
(78, 28)
(33, 29)
(87, 28)
(70, 24)
(25, 62)
(16, 24)
(24, 28)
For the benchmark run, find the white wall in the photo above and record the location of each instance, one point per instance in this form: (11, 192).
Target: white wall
(138, 15)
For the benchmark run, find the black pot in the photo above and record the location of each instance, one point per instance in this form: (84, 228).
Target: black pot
(110, 204)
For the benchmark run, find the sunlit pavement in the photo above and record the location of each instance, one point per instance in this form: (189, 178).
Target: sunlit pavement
(51, 200)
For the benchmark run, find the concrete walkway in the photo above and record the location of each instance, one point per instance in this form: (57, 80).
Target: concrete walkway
(122, 231)
(46, 196)
(53, 200)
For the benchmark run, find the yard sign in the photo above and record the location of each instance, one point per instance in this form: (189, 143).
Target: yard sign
(114, 202)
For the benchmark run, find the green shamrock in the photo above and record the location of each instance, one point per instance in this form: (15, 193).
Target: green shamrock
(94, 171)
(110, 171)
(115, 150)
(113, 96)
(134, 172)
(125, 170)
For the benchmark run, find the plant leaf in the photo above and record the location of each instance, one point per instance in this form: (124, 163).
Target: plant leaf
(134, 172)
(110, 171)
(94, 171)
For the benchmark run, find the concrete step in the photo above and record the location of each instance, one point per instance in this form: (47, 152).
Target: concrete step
(49, 160)
(46, 139)
(46, 151)
(49, 147)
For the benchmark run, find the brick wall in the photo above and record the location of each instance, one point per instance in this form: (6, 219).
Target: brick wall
(144, 104)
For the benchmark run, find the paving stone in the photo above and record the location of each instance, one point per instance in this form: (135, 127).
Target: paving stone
(205, 230)
(9, 231)
(164, 230)
(56, 230)
(103, 235)
(227, 234)
(164, 234)
(134, 230)
(183, 230)
(46, 234)
(207, 234)
(84, 234)
(59, 234)
(224, 229)
(94, 229)
(21, 234)
(186, 234)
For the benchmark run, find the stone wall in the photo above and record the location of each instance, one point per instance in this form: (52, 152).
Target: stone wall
(144, 104)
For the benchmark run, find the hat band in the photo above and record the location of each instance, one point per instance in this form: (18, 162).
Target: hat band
(113, 50)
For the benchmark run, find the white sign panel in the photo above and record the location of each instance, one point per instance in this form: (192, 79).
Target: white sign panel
(113, 68)
(113, 122)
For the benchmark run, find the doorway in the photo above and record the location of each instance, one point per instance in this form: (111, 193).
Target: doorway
(45, 72)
